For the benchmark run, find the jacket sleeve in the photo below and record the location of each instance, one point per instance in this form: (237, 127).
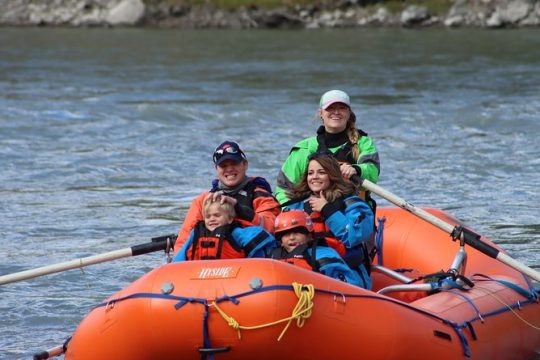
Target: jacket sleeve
(256, 241)
(298, 205)
(266, 209)
(335, 267)
(368, 165)
(354, 225)
(181, 254)
(193, 216)
(292, 170)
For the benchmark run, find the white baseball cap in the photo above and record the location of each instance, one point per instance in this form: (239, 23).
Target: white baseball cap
(334, 96)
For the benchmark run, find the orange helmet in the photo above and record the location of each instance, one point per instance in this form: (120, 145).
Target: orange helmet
(293, 219)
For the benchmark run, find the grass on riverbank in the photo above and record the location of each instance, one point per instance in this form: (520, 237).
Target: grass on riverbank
(435, 7)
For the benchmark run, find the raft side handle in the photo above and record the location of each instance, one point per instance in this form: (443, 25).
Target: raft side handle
(442, 335)
(343, 299)
(110, 305)
(214, 350)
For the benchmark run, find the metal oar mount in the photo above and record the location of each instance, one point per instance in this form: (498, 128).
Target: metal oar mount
(165, 242)
(456, 232)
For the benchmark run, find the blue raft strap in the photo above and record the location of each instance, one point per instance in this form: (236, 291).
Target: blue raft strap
(184, 301)
(180, 299)
(232, 299)
(379, 239)
(206, 336)
(457, 328)
(530, 295)
(471, 329)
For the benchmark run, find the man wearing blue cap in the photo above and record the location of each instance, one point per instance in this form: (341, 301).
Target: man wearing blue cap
(251, 196)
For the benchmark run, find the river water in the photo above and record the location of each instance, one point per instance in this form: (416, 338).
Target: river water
(106, 136)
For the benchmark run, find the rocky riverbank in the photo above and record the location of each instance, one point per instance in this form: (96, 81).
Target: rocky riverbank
(343, 14)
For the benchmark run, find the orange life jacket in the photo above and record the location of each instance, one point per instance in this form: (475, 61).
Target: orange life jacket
(322, 231)
(216, 244)
(299, 256)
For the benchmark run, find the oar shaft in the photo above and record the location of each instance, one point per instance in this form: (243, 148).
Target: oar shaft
(396, 200)
(533, 274)
(67, 265)
(47, 354)
(469, 237)
(165, 242)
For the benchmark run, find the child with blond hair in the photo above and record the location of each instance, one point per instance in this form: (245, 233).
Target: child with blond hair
(219, 236)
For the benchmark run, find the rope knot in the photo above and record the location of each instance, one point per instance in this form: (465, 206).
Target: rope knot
(233, 323)
(301, 312)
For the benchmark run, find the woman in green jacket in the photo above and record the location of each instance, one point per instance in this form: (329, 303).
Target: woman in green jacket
(337, 135)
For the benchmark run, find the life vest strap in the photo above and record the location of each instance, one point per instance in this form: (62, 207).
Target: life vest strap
(327, 261)
(256, 241)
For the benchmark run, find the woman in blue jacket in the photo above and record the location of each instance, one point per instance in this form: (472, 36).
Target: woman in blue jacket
(340, 217)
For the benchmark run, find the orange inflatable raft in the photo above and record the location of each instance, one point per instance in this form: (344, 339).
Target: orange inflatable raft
(265, 309)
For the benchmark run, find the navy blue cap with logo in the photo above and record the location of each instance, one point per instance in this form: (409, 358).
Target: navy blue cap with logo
(228, 150)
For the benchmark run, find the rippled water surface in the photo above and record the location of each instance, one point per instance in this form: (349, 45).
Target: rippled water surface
(106, 135)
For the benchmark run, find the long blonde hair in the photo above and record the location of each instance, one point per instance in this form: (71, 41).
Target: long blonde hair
(339, 186)
(352, 134)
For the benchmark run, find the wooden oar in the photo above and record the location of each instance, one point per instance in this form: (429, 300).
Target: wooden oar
(165, 242)
(456, 232)
(47, 354)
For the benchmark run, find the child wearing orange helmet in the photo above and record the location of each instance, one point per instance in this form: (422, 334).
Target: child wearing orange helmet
(294, 231)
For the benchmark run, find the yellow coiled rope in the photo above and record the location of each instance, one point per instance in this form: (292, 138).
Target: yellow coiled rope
(301, 312)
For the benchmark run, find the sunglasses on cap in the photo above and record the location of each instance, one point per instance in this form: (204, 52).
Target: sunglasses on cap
(228, 150)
